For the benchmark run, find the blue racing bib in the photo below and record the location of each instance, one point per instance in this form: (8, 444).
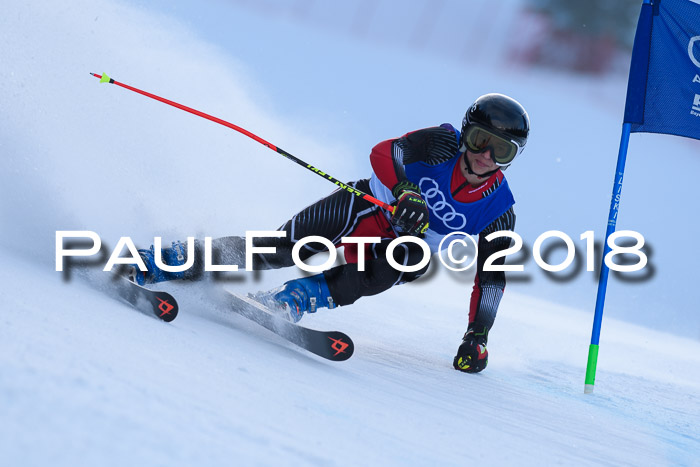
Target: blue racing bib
(448, 215)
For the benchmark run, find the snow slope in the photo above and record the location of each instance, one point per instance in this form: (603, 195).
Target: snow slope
(101, 384)
(85, 380)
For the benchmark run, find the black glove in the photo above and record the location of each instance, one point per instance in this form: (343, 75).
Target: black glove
(410, 211)
(472, 356)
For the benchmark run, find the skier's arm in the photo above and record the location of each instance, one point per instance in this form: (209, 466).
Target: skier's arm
(430, 145)
(472, 356)
(489, 285)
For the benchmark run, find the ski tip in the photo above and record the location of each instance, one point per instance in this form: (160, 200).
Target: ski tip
(340, 347)
(165, 306)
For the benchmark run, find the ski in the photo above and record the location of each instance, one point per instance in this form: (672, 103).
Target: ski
(162, 305)
(333, 345)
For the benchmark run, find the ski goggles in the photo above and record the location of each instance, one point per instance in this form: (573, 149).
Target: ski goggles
(478, 139)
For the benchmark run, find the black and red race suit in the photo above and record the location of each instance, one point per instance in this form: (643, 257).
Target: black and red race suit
(342, 214)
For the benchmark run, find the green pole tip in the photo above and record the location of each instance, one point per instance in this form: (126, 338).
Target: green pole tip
(591, 368)
(105, 78)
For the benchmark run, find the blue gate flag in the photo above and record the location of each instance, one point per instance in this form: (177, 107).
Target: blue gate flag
(663, 92)
(663, 96)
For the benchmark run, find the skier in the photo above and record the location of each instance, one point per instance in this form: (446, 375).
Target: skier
(439, 179)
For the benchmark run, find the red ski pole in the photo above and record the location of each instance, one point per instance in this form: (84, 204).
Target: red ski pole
(106, 79)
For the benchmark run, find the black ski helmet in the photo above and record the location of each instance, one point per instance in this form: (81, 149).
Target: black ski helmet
(500, 114)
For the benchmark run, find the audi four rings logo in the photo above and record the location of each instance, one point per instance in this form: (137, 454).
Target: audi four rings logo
(439, 207)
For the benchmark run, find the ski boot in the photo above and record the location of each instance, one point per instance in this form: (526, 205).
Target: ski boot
(173, 256)
(297, 297)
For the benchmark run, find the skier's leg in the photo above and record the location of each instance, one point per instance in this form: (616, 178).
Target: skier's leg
(347, 283)
(332, 217)
(343, 285)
